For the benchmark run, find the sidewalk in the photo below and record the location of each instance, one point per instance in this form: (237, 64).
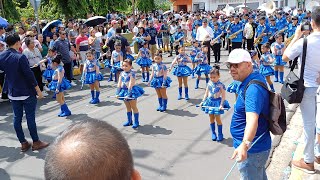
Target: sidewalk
(290, 147)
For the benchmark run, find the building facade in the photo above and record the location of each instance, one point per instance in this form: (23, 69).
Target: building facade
(182, 5)
(211, 5)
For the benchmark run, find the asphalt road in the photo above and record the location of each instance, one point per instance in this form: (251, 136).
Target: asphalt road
(171, 145)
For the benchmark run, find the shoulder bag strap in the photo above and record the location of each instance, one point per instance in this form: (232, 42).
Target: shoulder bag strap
(304, 53)
(254, 82)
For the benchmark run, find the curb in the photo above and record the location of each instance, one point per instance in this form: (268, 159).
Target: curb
(291, 110)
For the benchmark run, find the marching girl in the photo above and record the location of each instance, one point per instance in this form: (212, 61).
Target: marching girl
(129, 92)
(116, 60)
(255, 60)
(278, 48)
(265, 64)
(160, 81)
(193, 55)
(203, 67)
(182, 71)
(144, 61)
(59, 84)
(92, 75)
(214, 102)
(47, 74)
(106, 56)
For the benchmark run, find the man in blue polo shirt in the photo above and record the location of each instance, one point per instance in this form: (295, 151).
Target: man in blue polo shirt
(248, 125)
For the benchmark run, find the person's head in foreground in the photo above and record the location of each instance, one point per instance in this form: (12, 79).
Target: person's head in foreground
(91, 150)
(239, 64)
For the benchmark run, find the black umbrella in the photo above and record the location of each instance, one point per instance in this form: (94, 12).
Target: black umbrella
(96, 20)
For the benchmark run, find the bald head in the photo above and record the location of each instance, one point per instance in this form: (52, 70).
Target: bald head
(89, 150)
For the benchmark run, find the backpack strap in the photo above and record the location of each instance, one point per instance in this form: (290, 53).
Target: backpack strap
(254, 81)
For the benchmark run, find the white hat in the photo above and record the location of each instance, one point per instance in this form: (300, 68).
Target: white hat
(238, 56)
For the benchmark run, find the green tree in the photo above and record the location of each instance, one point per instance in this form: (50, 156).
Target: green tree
(145, 5)
(165, 5)
(10, 11)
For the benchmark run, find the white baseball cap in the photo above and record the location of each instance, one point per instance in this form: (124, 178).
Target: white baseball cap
(238, 56)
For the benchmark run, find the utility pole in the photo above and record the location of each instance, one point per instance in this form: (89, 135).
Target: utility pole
(133, 9)
(245, 3)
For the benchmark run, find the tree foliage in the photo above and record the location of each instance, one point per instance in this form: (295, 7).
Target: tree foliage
(10, 11)
(64, 9)
(145, 5)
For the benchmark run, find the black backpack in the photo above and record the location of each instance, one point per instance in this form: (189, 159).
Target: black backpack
(277, 117)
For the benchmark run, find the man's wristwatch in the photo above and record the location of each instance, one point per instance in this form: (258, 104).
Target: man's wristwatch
(247, 143)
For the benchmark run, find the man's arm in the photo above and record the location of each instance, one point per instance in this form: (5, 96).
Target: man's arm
(253, 105)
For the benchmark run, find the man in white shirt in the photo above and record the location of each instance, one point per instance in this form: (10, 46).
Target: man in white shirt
(172, 31)
(308, 105)
(204, 35)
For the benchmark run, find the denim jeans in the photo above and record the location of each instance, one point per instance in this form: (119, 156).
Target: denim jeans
(308, 111)
(160, 43)
(317, 146)
(29, 106)
(253, 168)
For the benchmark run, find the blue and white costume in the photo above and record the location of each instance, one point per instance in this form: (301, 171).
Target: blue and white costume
(135, 92)
(278, 47)
(194, 53)
(182, 69)
(158, 80)
(213, 101)
(265, 64)
(115, 57)
(91, 75)
(203, 67)
(64, 85)
(129, 56)
(47, 74)
(233, 87)
(144, 59)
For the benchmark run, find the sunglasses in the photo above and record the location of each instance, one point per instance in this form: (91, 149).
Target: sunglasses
(30, 36)
(63, 33)
(230, 65)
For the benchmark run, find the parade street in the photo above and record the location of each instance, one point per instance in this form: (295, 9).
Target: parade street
(174, 145)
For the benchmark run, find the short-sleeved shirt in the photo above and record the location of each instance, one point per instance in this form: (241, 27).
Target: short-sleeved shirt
(124, 43)
(312, 66)
(153, 34)
(257, 101)
(83, 43)
(63, 47)
(111, 32)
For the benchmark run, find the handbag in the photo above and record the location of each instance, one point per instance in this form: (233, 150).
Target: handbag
(293, 87)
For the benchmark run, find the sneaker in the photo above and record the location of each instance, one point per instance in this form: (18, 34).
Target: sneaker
(3, 100)
(303, 166)
(46, 88)
(73, 83)
(45, 93)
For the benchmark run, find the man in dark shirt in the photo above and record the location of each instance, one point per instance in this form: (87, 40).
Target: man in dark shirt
(22, 89)
(123, 40)
(62, 46)
(153, 34)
